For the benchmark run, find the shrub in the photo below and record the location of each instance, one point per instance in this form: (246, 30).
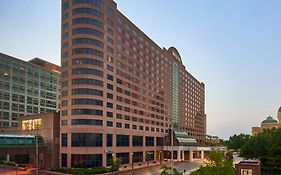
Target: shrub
(82, 171)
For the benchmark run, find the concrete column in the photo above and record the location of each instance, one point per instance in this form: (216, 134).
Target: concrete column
(191, 156)
(202, 154)
(68, 160)
(104, 159)
(8, 157)
(179, 155)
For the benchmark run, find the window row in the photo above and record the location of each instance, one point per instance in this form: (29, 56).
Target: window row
(87, 71)
(88, 21)
(87, 11)
(96, 140)
(87, 91)
(87, 31)
(87, 41)
(87, 51)
(86, 112)
(86, 101)
(97, 3)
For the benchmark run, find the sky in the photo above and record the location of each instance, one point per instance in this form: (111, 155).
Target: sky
(232, 46)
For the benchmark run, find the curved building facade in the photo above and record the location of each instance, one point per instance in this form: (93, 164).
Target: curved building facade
(119, 90)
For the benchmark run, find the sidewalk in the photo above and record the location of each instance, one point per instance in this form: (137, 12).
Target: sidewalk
(139, 165)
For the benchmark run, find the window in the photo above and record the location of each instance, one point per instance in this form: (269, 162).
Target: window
(110, 40)
(64, 93)
(87, 71)
(119, 81)
(137, 141)
(64, 83)
(87, 91)
(109, 123)
(65, 5)
(127, 126)
(88, 21)
(134, 126)
(109, 86)
(119, 116)
(86, 112)
(109, 31)
(109, 105)
(86, 122)
(64, 140)
(109, 140)
(110, 68)
(87, 61)
(87, 81)
(149, 141)
(110, 12)
(88, 11)
(86, 140)
(97, 3)
(109, 114)
(87, 51)
(64, 160)
(87, 31)
(122, 140)
(86, 160)
(86, 101)
(87, 41)
(159, 141)
(109, 95)
(64, 103)
(109, 77)
(118, 125)
(124, 157)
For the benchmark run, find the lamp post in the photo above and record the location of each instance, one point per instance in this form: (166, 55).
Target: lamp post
(35, 125)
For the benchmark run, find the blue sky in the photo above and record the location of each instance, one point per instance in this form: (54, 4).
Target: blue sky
(232, 46)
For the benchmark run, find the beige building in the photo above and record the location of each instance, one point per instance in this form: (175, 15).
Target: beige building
(268, 123)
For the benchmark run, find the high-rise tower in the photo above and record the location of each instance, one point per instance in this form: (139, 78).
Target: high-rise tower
(120, 89)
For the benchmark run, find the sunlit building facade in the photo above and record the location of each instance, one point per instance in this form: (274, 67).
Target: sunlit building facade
(27, 88)
(268, 123)
(120, 91)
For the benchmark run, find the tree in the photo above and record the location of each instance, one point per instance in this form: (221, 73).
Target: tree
(237, 141)
(265, 145)
(167, 170)
(116, 162)
(216, 165)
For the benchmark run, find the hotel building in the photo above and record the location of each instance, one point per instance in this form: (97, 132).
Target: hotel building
(120, 92)
(27, 88)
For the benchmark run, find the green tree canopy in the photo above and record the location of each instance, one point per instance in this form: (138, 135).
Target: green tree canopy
(265, 145)
(216, 165)
(237, 141)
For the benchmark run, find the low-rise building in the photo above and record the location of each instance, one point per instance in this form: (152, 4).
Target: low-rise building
(268, 123)
(19, 143)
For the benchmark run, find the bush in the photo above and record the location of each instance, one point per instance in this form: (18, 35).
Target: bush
(95, 170)
(10, 163)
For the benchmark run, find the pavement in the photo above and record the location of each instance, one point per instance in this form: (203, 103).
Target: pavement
(138, 169)
(156, 169)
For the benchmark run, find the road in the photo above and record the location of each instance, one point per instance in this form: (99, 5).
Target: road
(4, 170)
